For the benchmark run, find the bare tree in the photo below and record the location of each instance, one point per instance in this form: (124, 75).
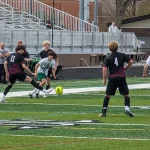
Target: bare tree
(121, 6)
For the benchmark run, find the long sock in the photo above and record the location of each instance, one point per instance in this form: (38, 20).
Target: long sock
(105, 104)
(36, 85)
(127, 103)
(47, 87)
(7, 89)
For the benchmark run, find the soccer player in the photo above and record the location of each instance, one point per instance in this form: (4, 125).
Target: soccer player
(16, 71)
(117, 78)
(43, 54)
(41, 71)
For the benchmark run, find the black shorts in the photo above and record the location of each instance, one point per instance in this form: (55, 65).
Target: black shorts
(14, 77)
(118, 82)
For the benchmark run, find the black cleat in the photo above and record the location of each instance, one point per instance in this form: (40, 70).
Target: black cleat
(30, 95)
(129, 113)
(37, 95)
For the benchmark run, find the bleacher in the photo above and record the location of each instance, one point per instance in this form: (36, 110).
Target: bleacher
(74, 37)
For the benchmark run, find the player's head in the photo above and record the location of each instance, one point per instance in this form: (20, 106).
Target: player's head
(113, 46)
(46, 44)
(20, 42)
(20, 49)
(50, 55)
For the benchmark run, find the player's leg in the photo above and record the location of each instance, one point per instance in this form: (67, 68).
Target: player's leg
(123, 89)
(26, 78)
(110, 90)
(12, 80)
(49, 76)
(40, 76)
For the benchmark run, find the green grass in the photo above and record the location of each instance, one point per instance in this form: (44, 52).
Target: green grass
(117, 131)
(75, 83)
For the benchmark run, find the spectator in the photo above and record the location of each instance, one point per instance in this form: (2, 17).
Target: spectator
(48, 24)
(3, 55)
(25, 54)
(113, 28)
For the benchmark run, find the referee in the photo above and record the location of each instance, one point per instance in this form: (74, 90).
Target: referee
(117, 78)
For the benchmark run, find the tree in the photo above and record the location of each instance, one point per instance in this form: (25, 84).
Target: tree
(121, 6)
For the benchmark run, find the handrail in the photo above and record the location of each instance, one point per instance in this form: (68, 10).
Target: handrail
(43, 11)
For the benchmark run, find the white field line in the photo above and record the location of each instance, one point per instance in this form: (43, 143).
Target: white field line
(79, 90)
(113, 106)
(126, 139)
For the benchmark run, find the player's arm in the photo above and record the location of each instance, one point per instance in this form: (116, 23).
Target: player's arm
(54, 72)
(145, 70)
(36, 68)
(6, 70)
(6, 54)
(27, 59)
(27, 69)
(129, 64)
(104, 72)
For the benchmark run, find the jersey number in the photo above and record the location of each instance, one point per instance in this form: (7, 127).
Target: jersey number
(12, 58)
(116, 61)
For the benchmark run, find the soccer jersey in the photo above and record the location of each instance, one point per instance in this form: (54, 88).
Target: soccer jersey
(15, 61)
(115, 63)
(44, 65)
(43, 53)
(148, 61)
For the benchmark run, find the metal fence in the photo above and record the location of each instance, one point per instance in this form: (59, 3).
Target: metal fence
(68, 41)
(44, 12)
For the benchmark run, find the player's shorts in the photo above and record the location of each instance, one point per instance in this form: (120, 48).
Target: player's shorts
(41, 76)
(118, 82)
(14, 77)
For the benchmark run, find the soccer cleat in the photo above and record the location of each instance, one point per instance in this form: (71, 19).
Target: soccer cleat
(30, 95)
(3, 101)
(102, 115)
(47, 92)
(37, 95)
(129, 113)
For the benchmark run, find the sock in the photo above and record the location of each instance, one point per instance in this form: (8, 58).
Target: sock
(36, 85)
(7, 89)
(127, 103)
(105, 104)
(47, 87)
(37, 92)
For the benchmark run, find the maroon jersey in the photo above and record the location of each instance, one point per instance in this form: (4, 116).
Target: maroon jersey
(115, 63)
(15, 62)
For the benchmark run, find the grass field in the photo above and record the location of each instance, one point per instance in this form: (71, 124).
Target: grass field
(61, 131)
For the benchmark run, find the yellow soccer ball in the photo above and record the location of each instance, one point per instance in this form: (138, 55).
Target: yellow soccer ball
(59, 90)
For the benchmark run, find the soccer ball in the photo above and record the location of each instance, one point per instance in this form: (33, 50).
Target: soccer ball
(59, 90)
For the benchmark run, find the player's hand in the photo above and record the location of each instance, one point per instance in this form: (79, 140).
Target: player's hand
(104, 82)
(125, 68)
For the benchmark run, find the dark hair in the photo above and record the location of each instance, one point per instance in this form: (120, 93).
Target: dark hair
(19, 47)
(51, 53)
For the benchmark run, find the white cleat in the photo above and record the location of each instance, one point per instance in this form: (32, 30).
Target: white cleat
(47, 92)
(3, 101)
